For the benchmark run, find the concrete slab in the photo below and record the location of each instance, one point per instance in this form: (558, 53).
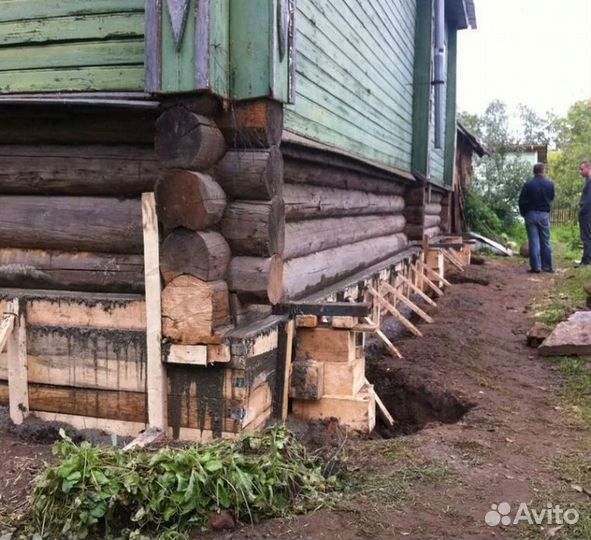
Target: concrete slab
(571, 337)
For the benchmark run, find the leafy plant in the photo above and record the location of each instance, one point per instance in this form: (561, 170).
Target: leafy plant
(100, 491)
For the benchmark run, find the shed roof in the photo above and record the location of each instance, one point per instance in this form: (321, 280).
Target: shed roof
(462, 13)
(477, 146)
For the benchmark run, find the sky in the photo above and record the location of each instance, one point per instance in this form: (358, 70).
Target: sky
(535, 52)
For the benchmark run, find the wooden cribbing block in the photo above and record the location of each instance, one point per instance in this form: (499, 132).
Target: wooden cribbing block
(306, 321)
(307, 379)
(357, 413)
(344, 379)
(194, 355)
(344, 322)
(325, 344)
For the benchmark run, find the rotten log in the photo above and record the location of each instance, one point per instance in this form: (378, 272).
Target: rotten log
(256, 277)
(306, 202)
(189, 199)
(202, 254)
(192, 309)
(317, 270)
(310, 236)
(255, 228)
(186, 140)
(251, 174)
(77, 170)
(252, 124)
(100, 224)
(80, 271)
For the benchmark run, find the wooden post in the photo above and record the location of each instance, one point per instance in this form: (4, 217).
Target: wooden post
(156, 371)
(290, 328)
(18, 392)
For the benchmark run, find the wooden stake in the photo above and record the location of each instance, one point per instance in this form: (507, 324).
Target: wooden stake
(453, 260)
(434, 275)
(397, 294)
(18, 391)
(290, 329)
(418, 291)
(156, 371)
(394, 312)
(382, 411)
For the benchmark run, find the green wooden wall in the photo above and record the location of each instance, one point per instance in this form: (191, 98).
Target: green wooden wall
(71, 45)
(354, 80)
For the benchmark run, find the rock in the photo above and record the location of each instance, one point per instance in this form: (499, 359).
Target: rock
(569, 337)
(524, 250)
(222, 521)
(477, 259)
(537, 334)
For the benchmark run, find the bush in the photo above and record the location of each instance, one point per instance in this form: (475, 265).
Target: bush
(480, 218)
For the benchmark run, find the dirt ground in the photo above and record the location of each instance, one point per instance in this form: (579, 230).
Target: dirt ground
(480, 418)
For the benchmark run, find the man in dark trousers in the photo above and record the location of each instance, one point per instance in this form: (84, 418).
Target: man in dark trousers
(535, 201)
(585, 212)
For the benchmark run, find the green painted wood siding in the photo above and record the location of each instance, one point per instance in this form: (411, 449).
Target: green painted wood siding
(354, 79)
(71, 45)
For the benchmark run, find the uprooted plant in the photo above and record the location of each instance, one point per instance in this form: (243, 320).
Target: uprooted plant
(102, 491)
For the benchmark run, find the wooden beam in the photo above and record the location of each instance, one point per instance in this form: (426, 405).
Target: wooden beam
(424, 277)
(394, 312)
(327, 309)
(453, 260)
(384, 338)
(408, 302)
(438, 277)
(290, 329)
(382, 411)
(156, 371)
(18, 391)
(6, 327)
(418, 291)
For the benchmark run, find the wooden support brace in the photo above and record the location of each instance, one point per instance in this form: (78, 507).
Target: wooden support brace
(418, 291)
(384, 338)
(435, 276)
(6, 327)
(328, 309)
(18, 391)
(394, 312)
(397, 294)
(431, 285)
(290, 329)
(453, 260)
(156, 371)
(382, 410)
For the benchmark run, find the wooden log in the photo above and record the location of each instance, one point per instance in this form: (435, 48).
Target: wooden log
(414, 215)
(192, 309)
(78, 309)
(317, 270)
(81, 271)
(251, 174)
(101, 224)
(256, 277)
(435, 197)
(187, 140)
(77, 170)
(202, 254)
(416, 232)
(252, 124)
(189, 199)
(310, 236)
(432, 221)
(432, 231)
(415, 196)
(301, 171)
(306, 202)
(432, 209)
(255, 228)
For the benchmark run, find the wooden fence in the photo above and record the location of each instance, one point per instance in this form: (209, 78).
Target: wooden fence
(564, 215)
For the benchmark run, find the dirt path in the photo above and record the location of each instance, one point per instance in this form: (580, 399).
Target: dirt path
(481, 422)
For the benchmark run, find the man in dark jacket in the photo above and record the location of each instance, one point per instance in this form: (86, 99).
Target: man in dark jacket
(535, 202)
(585, 212)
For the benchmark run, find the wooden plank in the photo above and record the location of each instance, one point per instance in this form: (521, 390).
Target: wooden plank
(453, 260)
(423, 277)
(156, 372)
(6, 325)
(416, 289)
(16, 10)
(381, 408)
(325, 344)
(76, 28)
(451, 130)
(344, 322)
(394, 312)
(306, 321)
(153, 43)
(398, 294)
(290, 330)
(327, 309)
(194, 355)
(436, 276)
(389, 345)
(73, 79)
(18, 393)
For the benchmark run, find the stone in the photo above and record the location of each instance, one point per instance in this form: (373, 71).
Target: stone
(537, 334)
(571, 337)
(524, 250)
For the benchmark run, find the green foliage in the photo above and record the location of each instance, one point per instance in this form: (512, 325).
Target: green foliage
(103, 491)
(480, 217)
(566, 240)
(573, 147)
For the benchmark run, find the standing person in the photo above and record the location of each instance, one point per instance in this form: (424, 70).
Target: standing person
(535, 201)
(585, 212)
